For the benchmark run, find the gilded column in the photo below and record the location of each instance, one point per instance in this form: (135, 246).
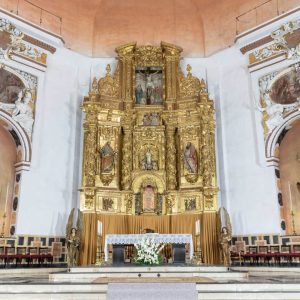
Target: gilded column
(172, 56)
(90, 147)
(90, 162)
(127, 158)
(171, 159)
(208, 153)
(126, 56)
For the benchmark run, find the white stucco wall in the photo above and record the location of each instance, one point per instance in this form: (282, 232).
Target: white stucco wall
(248, 187)
(50, 188)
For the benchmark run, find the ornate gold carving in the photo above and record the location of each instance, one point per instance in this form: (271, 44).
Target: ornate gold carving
(89, 198)
(127, 159)
(109, 85)
(148, 56)
(150, 154)
(107, 203)
(128, 203)
(171, 159)
(189, 86)
(190, 204)
(90, 155)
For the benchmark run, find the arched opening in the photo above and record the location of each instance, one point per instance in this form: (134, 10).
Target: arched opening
(289, 166)
(8, 159)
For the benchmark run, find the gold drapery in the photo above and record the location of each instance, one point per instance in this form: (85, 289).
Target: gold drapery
(128, 224)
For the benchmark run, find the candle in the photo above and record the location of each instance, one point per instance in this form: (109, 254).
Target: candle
(99, 227)
(197, 227)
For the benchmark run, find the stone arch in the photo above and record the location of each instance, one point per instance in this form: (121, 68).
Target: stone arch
(22, 140)
(271, 144)
(21, 137)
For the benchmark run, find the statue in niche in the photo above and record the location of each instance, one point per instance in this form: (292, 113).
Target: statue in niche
(190, 158)
(107, 158)
(151, 119)
(22, 112)
(147, 162)
(148, 86)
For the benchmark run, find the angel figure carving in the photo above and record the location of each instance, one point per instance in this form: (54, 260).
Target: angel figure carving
(73, 236)
(225, 235)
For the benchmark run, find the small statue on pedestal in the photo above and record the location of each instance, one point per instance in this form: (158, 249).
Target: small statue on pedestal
(225, 239)
(73, 244)
(225, 235)
(73, 236)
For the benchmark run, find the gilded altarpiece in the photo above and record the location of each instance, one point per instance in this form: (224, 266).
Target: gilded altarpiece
(149, 137)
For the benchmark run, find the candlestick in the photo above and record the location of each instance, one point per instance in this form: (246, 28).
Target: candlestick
(99, 228)
(99, 258)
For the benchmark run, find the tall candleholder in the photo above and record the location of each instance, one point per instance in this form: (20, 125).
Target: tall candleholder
(198, 248)
(293, 222)
(3, 225)
(99, 258)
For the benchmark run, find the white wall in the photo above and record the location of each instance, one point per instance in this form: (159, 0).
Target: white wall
(49, 189)
(248, 189)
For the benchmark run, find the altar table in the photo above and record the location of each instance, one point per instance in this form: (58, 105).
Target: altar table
(131, 239)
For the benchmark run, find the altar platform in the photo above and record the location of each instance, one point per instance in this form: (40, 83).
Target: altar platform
(209, 282)
(111, 273)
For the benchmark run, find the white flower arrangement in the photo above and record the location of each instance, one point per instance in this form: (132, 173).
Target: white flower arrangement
(147, 252)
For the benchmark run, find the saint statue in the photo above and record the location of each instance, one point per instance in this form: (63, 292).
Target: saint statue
(74, 231)
(190, 158)
(73, 244)
(107, 158)
(147, 162)
(225, 239)
(22, 112)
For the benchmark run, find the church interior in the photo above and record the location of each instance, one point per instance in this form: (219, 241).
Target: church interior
(150, 149)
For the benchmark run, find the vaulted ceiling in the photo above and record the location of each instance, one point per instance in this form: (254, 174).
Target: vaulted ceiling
(200, 27)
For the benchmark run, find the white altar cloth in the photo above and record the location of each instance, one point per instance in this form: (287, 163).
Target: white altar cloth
(130, 239)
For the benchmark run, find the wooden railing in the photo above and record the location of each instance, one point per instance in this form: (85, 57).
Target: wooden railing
(34, 14)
